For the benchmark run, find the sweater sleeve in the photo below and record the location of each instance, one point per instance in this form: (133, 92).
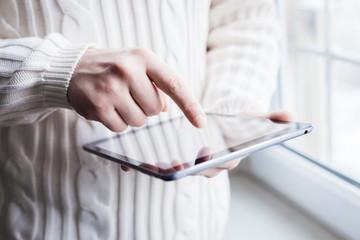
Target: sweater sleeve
(34, 77)
(242, 58)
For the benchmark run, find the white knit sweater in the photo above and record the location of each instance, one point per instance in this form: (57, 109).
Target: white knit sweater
(49, 187)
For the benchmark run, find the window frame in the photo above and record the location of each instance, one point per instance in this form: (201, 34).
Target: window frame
(330, 197)
(331, 200)
(328, 56)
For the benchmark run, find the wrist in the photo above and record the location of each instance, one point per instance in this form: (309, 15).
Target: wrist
(59, 64)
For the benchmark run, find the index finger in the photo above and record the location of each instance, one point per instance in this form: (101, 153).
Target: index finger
(169, 82)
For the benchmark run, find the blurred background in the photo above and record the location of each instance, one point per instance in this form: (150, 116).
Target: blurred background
(320, 78)
(309, 188)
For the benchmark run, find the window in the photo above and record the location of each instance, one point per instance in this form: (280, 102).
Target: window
(320, 79)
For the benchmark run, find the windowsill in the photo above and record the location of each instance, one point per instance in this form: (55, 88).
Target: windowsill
(330, 200)
(257, 212)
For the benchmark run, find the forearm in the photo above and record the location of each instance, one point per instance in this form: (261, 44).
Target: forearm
(242, 60)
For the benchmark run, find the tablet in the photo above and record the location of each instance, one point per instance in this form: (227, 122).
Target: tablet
(174, 148)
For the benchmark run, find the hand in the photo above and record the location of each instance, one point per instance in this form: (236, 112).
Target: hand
(123, 87)
(205, 155)
(276, 116)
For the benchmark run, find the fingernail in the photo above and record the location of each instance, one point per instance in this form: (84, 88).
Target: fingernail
(201, 120)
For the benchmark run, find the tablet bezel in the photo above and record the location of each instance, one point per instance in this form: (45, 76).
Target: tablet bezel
(239, 150)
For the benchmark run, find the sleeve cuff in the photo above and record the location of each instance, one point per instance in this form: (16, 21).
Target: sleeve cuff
(59, 59)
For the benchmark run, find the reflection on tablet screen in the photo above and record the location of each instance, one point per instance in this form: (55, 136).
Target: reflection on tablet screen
(176, 143)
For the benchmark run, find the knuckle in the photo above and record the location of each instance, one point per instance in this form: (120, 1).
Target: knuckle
(116, 127)
(114, 68)
(100, 106)
(120, 127)
(120, 69)
(139, 57)
(175, 84)
(154, 109)
(139, 51)
(139, 121)
(127, 73)
(108, 85)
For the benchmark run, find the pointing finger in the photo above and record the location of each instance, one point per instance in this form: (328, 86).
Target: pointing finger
(168, 81)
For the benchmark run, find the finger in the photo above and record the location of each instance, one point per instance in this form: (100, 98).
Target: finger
(151, 167)
(230, 165)
(278, 115)
(209, 173)
(146, 95)
(125, 169)
(130, 112)
(204, 155)
(113, 121)
(176, 164)
(281, 115)
(165, 98)
(168, 81)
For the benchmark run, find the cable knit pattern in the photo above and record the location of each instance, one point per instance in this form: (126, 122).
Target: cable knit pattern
(38, 79)
(50, 188)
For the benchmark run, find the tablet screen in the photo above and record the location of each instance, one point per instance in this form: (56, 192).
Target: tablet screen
(175, 144)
